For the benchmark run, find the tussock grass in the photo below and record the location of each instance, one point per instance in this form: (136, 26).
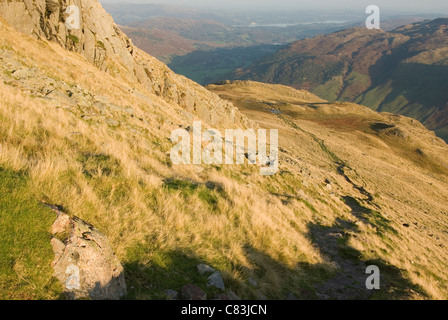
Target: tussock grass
(162, 219)
(118, 180)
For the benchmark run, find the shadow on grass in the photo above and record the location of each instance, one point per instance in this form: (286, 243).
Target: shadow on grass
(150, 271)
(280, 281)
(368, 216)
(350, 278)
(208, 192)
(150, 274)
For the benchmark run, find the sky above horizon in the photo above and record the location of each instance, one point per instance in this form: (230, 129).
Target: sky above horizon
(429, 6)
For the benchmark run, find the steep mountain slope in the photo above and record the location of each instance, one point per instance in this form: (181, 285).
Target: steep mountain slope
(403, 71)
(354, 187)
(103, 44)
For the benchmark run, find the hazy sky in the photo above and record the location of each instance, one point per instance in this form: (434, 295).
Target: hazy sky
(427, 6)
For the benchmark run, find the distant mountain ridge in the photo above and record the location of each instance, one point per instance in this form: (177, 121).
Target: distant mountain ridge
(403, 71)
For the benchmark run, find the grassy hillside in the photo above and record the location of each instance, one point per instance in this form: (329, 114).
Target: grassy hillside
(112, 168)
(97, 144)
(364, 158)
(403, 71)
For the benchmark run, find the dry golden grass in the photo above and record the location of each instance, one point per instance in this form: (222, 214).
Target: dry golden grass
(408, 187)
(114, 178)
(251, 226)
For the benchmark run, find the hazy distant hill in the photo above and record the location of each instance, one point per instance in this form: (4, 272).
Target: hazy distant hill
(125, 13)
(204, 49)
(403, 71)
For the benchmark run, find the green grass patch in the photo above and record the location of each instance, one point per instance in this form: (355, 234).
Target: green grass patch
(189, 188)
(25, 250)
(309, 205)
(329, 90)
(150, 271)
(370, 216)
(346, 251)
(73, 38)
(93, 164)
(100, 44)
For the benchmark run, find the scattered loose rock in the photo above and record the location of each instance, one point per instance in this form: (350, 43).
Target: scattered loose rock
(253, 282)
(204, 269)
(172, 294)
(193, 292)
(215, 280)
(232, 295)
(291, 296)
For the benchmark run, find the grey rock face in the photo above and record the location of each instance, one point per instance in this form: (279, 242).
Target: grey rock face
(172, 294)
(232, 295)
(253, 282)
(204, 269)
(84, 261)
(215, 280)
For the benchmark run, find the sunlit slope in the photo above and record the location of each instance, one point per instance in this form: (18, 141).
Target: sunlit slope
(389, 171)
(98, 145)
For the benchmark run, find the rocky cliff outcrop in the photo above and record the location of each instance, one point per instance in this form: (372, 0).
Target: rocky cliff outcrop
(96, 37)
